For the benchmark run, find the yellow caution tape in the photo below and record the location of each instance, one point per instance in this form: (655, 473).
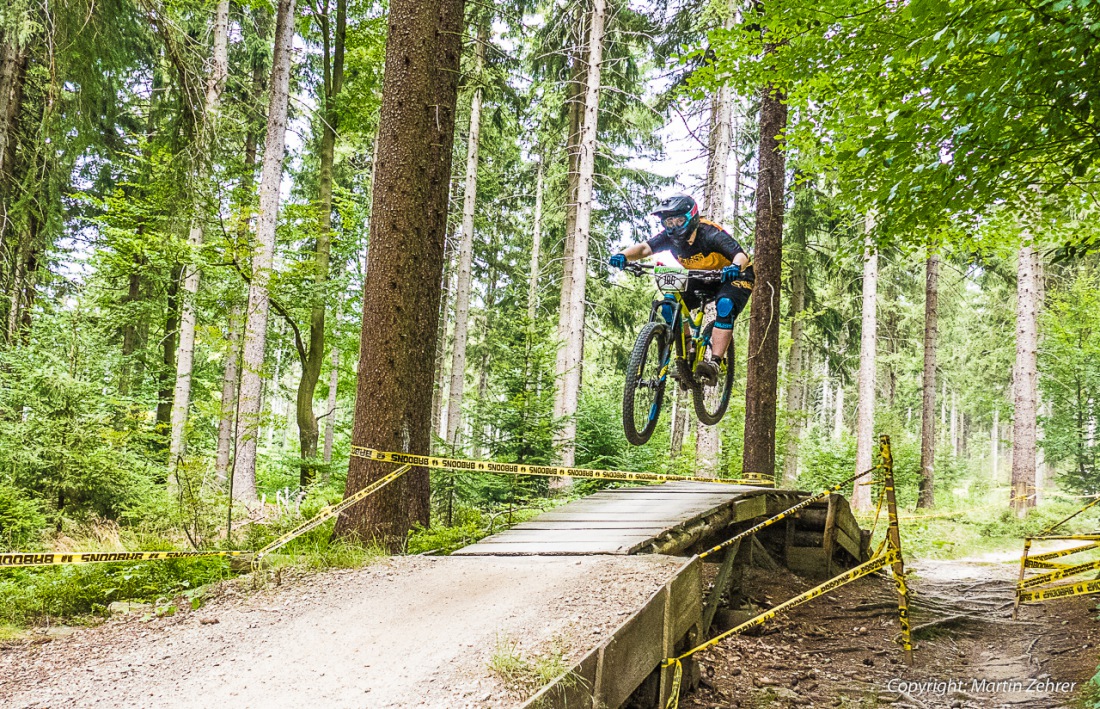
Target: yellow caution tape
(329, 512)
(27, 558)
(864, 569)
(1047, 556)
(784, 514)
(1078, 537)
(903, 610)
(1040, 564)
(1064, 590)
(554, 471)
(1058, 574)
(1056, 525)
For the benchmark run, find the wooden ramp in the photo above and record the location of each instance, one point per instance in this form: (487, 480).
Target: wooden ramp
(664, 518)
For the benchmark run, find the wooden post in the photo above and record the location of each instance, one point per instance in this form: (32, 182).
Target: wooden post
(828, 537)
(893, 536)
(721, 582)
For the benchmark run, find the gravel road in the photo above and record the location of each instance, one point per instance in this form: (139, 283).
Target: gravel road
(406, 632)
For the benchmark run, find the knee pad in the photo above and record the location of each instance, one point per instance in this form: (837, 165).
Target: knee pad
(723, 307)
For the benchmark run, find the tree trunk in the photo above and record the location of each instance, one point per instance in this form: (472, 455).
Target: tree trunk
(185, 356)
(995, 446)
(405, 264)
(440, 387)
(707, 441)
(13, 71)
(577, 91)
(868, 341)
(333, 85)
(255, 333)
(1025, 380)
(466, 248)
(680, 414)
(228, 408)
(838, 413)
(762, 367)
(955, 424)
(570, 385)
(165, 375)
(926, 497)
(536, 246)
(330, 405)
(795, 403)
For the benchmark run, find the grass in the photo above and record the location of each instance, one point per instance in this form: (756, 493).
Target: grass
(963, 528)
(522, 675)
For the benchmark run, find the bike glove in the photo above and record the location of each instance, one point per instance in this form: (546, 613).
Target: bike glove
(617, 261)
(731, 273)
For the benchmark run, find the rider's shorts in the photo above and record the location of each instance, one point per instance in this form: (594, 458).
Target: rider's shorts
(730, 299)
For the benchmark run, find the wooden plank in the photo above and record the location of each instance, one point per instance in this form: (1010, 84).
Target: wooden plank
(538, 523)
(549, 548)
(617, 536)
(634, 650)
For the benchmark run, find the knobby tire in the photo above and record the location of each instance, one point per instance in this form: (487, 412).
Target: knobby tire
(650, 349)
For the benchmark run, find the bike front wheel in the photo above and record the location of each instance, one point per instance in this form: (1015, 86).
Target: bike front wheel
(644, 391)
(711, 402)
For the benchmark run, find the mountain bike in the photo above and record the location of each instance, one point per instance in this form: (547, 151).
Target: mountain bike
(672, 344)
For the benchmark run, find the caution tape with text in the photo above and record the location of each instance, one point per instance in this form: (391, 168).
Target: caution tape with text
(869, 567)
(554, 471)
(407, 461)
(1032, 589)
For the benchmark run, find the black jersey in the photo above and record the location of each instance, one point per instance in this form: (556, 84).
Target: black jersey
(710, 248)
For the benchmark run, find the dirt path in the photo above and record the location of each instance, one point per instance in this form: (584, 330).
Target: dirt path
(840, 650)
(407, 632)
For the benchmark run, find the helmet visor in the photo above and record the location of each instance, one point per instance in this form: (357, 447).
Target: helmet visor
(674, 222)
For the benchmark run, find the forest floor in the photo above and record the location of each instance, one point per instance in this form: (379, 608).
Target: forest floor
(405, 632)
(486, 632)
(840, 650)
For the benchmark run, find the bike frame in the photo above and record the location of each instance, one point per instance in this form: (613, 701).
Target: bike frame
(682, 335)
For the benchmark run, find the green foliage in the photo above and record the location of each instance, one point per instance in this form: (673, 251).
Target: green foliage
(69, 592)
(1070, 357)
(21, 519)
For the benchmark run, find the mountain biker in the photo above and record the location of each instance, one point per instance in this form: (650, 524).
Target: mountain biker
(700, 244)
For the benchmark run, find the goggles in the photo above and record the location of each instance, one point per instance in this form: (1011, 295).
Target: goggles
(674, 222)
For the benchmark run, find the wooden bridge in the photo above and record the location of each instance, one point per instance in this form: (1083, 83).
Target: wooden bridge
(676, 518)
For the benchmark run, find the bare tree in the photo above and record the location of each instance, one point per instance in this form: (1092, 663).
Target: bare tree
(926, 497)
(707, 441)
(570, 384)
(868, 346)
(536, 246)
(466, 247)
(185, 353)
(1025, 380)
(263, 253)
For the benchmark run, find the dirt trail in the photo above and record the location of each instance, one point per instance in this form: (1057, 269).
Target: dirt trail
(840, 650)
(407, 632)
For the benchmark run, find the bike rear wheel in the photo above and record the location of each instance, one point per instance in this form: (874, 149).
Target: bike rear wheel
(644, 390)
(711, 402)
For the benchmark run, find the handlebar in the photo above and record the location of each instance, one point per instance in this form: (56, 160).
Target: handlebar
(640, 269)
